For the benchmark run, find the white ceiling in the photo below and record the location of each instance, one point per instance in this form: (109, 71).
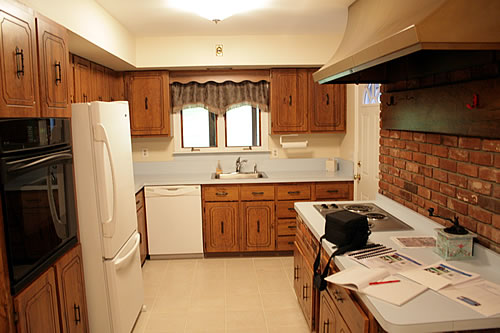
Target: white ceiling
(148, 18)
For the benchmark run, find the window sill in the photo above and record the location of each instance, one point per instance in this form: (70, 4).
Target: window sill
(221, 152)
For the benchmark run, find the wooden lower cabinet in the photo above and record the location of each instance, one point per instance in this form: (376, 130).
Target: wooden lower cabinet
(330, 320)
(55, 302)
(258, 225)
(221, 227)
(303, 284)
(141, 225)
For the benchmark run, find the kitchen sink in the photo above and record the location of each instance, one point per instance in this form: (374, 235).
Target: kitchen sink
(239, 175)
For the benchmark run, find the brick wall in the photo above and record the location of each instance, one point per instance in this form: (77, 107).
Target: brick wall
(455, 175)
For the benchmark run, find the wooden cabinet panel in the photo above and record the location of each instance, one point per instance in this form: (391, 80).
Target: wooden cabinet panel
(82, 79)
(18, 63)
(258, 226)
(141, 225)
(297, 272)
(221, 227)
(71, 287)
(288, 101)
(327, 105)
(220, 193)
(284, 209)
(116, 85)
(37, 306)
(54, 67)
(285, 242)
(257, 192)
(349, 308)
(328, 315)
(149, 101)
(333, 191)
(294, 192)
(286, 227)
(99, 83)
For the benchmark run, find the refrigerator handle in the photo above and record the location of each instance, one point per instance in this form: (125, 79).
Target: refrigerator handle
(101, 135)
(120, 262)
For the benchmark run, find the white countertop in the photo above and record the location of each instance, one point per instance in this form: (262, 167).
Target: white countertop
(154, 179)
(430, 311)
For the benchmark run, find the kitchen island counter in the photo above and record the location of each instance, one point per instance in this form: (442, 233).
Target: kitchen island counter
(430, 311)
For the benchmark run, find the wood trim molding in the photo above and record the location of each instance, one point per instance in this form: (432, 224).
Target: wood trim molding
(219, 76)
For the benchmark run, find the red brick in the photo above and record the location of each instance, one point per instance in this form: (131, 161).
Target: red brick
(383, 185)
(489, 203)
(405, 195)
(496, 221)
(469, 143)
(448, 165)
(395, 134)
(386, 142)
(469, 223)
(399, 182)
(432, 184)
(459, 154)
(399, 144)
(490, 174)
(384, 150)
(407, 155)
(448, 190)
(411, 205)
(467, 196)
(497, 161)
(420, 137)
(407, 135)
(458, 206)
(432, 160)
(413, 146)
(480, 214)
(425, 148)
(399, 200)
(419, 157)
(405, 175)
(394, 189)
(393, 171)
(424, 192)
(394, 152)
(418, 179)
(449, 140)
(481, 158)
(496, 191)
(433, 138)
(440, 175)
(386, 160)
(491, 145)
(446, 213)
(412, 167)
(410, 187)
(426, 171)
(480, 186)
(485, 230)
(440, 151)
(439, 198)
(420, 201)
(467, 169)
(384, 133)
(387, 178)
(457, 180)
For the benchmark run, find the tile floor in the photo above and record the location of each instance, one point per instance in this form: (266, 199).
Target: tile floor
(250, 295)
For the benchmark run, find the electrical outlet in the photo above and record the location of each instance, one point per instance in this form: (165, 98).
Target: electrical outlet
(275, 152)
(145, 152)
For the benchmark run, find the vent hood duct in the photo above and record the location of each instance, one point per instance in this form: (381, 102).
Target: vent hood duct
(392, 40)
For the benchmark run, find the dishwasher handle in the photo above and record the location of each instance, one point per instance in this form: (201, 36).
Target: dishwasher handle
(171, 191)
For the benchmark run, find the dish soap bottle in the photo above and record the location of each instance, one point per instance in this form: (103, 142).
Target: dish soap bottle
(218, 169)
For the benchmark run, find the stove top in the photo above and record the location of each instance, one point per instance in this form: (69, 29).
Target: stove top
(378, 219)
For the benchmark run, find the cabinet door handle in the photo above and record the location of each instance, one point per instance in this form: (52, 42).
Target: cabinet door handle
(332, 191)
(291, 209)
(146, 103)
(78, 317)
(327, 99)
(57, 66)
(293, 192)
(19, 64)
(325, 326)
(221, 193)
(221, 227)
(296, 272)
(290, 243)
(257, 193)
(337, 296)
(137, 202)
(304, 291)
(292, 227)
(290, 100)
(258, 226)
(84, 97)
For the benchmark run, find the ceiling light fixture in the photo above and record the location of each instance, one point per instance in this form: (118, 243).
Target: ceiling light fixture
(217, 10)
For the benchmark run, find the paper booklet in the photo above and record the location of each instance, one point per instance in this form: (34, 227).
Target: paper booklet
(479, 295)
(393, 262)
(359, 279)
(439, 275)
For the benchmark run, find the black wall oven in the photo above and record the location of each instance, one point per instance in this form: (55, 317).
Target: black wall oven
(37, 195)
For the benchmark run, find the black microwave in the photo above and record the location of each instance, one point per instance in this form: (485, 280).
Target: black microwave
(37, 195)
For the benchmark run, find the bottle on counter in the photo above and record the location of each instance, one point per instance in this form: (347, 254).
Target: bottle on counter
(218, 169)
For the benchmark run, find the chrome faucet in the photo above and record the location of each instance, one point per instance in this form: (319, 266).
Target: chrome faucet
(239, 162)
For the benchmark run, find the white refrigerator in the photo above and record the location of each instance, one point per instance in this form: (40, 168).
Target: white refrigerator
(106, 215)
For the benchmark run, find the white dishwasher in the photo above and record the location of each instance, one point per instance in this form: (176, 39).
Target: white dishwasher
(174, 221)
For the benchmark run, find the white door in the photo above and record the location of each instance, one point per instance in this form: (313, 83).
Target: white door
(125, 288)
(367, 141)
(114, 173)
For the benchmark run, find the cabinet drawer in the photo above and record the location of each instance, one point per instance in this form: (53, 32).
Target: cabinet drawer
(220, 193)
(337, 190)
(139, 200)
(294, 192)
(307, 242)
(284, 243)
(285, 210)
(286, 227)
(261, 193)
(349, 308)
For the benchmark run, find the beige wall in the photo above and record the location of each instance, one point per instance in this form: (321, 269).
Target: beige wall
(346, 149)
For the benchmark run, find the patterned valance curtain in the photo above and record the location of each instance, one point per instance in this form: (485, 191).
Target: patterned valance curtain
(220, 97)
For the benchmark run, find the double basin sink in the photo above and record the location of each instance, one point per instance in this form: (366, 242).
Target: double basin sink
(239, 175)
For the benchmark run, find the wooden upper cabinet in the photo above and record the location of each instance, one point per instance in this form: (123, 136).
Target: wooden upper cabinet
(149, 101)
(18, 63)
(81, 68)
(327, 105)
(257, 219)
(116, 85)
(54, 64)
(37, 307)
(288, 101)
(99, 83)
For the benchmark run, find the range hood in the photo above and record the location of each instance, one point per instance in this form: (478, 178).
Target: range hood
(392, 40)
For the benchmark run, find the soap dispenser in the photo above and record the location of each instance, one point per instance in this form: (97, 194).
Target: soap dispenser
(218, 168)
